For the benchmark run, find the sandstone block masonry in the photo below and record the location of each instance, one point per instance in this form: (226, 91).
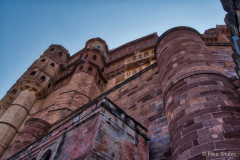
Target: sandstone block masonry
(201, 104)
(100, 131)
(188, 100)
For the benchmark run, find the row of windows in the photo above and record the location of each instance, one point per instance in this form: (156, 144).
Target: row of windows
(93, 57)
(140, 56)
(134, 48)
(134, 72)
(34, 72)
(96, 46)
(52, 64)
(145, 44)
(60, 53)
(90, 69)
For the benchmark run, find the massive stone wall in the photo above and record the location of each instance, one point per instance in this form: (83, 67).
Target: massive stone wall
(142, 99)
(99, 131)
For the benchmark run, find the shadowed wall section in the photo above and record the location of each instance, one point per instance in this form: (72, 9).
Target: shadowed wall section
(201, 104)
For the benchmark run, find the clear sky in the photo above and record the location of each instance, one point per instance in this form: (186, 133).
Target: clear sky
(29, 27)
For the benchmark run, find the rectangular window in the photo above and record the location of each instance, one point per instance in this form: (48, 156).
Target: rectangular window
(145, 44)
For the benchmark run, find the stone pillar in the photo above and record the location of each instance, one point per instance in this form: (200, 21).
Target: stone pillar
(202, 105)
(33, 130)
(14, 117)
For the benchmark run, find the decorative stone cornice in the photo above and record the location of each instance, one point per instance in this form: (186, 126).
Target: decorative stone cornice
(35, 86)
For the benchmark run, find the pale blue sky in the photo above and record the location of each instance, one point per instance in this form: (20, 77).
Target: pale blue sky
(28, 27)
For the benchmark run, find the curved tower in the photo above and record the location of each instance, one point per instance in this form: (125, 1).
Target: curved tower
(61, 84)
(34, 84)
(200, 101)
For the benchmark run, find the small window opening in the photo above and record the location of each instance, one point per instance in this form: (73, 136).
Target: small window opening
(52, 64)
(33, 73)
(86, 56)
(145, 44)
(146, 54)
(43, 78)
(102, 69)
(94, 57)
(99, 81)
(134, 58)
(153, 41)
(140, 56)
(98, 46)
(14, 91)
(52, 49)
(49, 85)
(90, 69)
(60, 54)
(81, 68)
(43, 60)
(46, 155)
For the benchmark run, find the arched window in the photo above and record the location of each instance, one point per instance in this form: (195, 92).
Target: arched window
(99, 81)
(146, 54)
(94, 57)
(60, 54)
(33, 73)
(139, 56)
(102, 69)
(43, 60)
(80, 67)
(134, 58)
(43, 78)
(86, 56)
(14, 91)
(52, 49)
(46, 155)
(90, 69)
(52, 64)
